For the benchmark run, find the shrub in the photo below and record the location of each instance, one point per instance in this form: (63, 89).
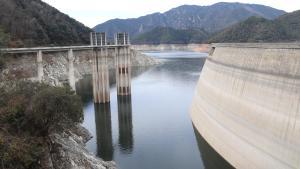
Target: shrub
(21, 152)
(29, 112)
(56, 108)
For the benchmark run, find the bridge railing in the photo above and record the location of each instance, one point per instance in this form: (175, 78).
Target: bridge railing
(100, 39)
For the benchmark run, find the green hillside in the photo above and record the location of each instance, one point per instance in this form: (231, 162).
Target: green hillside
(283, 29)
(291, 24)
(35, 23)
(166, 35)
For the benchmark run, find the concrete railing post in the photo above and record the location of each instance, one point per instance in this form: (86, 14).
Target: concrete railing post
(91, 39)
(96, 39)
(124, 36)
(40, 65)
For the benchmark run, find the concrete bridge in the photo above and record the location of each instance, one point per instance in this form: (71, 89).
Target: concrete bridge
(247, 104)
(101, 48)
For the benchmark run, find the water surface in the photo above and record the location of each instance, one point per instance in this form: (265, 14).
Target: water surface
(151, 129)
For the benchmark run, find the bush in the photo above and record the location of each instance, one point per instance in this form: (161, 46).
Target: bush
(56, 108)
(29, 112)
(21, 152)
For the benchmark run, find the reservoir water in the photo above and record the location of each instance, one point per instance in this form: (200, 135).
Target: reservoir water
(151, 129)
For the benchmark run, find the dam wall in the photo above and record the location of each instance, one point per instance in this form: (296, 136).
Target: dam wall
(247, 104)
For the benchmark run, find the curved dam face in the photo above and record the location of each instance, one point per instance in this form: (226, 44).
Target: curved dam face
(247, 104)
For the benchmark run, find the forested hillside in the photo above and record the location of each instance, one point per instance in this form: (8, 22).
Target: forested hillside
(165, 35)
(283, 29)
(35, 23)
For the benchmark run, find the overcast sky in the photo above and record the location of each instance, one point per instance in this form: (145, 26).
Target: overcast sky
(93, 12)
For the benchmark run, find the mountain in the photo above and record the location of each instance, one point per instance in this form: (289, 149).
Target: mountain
(33, 22)
(291, 24)
(166, 35)
(210, 18)
(284, 28)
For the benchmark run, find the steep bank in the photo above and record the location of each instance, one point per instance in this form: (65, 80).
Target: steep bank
(69, 151)
(247, 103)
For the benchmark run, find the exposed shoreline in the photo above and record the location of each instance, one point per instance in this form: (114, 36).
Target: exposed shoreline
(56, 66)
(205, 48)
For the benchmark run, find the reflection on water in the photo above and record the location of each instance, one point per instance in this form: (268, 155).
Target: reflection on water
(151, 129)
(125, 124)
(211, 159)
(103, 131)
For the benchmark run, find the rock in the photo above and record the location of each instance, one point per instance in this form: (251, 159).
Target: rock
(142, 60)
(68, 151)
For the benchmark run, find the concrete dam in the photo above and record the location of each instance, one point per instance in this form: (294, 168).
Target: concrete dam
(247, 104)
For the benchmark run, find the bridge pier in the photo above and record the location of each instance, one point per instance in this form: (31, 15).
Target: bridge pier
(101, 91)
(71, 76)
(123, 70)
(40, 72)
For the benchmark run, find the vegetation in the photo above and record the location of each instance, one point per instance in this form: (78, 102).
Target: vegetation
(29, 112)
(33, 22)
(3, 38)
(254, 29)
(167, 35)
(290, 23)
(3, 43)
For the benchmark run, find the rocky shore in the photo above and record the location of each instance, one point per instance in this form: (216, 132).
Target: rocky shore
(68, 151)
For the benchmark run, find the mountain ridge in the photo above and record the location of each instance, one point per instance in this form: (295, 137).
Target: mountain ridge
(210, 18)
(167, 35)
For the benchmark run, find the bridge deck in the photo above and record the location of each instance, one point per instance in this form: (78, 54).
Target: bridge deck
(56, 48)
